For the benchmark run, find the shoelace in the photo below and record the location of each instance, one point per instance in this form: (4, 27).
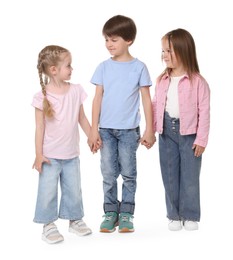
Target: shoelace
(108, 218)
(126, 218)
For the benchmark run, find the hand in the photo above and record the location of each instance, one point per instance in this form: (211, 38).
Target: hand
(146, 144)
(148, 140)
(95, 146)
(94, 141)
(198, 150)
(38, 163)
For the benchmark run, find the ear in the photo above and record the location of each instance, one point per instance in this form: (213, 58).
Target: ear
(53, 70)
(129, 42)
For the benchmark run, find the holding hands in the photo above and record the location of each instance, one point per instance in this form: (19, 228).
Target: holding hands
(148, 139)
(94, 141)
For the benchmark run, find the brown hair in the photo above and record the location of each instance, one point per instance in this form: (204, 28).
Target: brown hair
(184, 49)
(49, 56)
(122, 26)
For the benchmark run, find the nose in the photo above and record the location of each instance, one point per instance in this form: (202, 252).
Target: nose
(108, 44)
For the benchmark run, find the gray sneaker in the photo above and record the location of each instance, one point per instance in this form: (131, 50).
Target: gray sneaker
(79, 227)
(51, 235)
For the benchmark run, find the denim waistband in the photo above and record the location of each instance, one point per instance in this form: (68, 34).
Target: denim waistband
(172, 119)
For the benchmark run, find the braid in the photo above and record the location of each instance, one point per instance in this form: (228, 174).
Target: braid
(48, 57)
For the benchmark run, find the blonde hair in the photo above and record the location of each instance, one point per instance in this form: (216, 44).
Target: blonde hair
(49, 56)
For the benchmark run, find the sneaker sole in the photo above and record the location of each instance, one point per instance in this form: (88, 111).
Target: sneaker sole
(190, 229)
(125, 230)
(105, 230)
(175, 229)
(71, 230)
(52, 241)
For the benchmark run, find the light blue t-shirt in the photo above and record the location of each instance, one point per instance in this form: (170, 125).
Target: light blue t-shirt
(121, 82)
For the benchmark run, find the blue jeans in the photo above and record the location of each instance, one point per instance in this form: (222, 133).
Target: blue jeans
(118, 157)
(180, 172)
(71, 205)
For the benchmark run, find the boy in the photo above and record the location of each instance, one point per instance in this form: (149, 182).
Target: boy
(115, 121)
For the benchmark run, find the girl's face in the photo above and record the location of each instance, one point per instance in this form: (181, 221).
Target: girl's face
(168, 55)
(116, 45)
(64, 67)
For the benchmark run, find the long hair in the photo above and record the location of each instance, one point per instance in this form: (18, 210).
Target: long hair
(184, 49)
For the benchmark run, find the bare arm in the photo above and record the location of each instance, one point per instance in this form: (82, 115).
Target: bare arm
(83, 121)
(94, 139)
(148, 139)
(39, 137)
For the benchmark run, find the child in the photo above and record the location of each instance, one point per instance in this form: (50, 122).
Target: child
(115, 121)
(58, 111)
(181, 106)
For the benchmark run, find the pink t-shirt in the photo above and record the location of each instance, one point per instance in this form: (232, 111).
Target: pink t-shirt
(61, 137)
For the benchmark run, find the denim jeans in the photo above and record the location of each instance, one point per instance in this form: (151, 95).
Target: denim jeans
(118, 157)
(67, 172)
(180, 172)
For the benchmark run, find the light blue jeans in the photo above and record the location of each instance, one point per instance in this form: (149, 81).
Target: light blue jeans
(67, 172)
(180, 172)
(118, 157)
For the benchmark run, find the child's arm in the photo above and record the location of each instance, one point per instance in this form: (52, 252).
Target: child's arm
(94, 139)
(39, 136)
(148, 139)
(83, 121)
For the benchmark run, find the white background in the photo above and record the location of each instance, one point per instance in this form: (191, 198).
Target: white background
(28, 26)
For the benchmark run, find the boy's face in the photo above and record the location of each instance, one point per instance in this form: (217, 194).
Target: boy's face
(116, 45)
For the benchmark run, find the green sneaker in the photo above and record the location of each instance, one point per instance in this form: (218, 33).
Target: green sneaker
(126, 223)
(110, 222)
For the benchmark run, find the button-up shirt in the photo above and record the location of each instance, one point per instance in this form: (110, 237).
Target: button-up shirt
(194, 106)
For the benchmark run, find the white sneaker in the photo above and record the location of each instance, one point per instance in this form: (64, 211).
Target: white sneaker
(174, 225)
(51, 235)
(190, 225)
(79, 227)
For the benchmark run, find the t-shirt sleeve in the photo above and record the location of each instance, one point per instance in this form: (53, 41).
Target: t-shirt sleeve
(37, 101)
(97, 78)
(145, 79)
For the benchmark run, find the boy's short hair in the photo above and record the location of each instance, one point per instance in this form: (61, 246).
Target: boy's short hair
(122, 26)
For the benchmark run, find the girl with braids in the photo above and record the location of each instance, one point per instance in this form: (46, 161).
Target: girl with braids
(181, 107)
(58, 111)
